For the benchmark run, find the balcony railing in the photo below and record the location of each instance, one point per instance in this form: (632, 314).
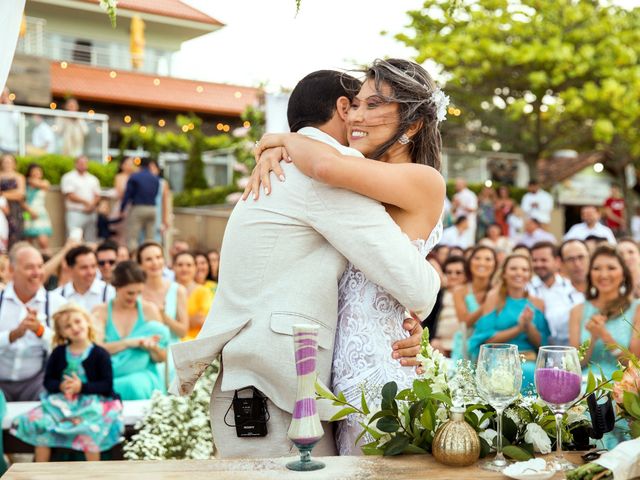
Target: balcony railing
(39, 42)
(38, 131)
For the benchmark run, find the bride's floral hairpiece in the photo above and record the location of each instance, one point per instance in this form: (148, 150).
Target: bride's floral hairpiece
(441, 102)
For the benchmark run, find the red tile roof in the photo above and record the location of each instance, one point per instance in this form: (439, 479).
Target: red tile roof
(166, 8)
(556, 170)
(131, 88)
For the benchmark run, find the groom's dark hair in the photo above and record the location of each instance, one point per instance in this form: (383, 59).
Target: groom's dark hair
(313, 100)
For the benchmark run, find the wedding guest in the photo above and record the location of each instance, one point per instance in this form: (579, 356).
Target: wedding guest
(469, 298)
(107, 256)
(82, 193)
(125, 169)
(72, 130)
(4, 270)
(511, 315)
(447, 324)
(37, 225)
(537, 203)
(163, 203)
(593, 241)
(131, 330)
(515, 221)
(609, 314)
(494, 239)
(214, 261)
(43, 140)
(590, 226)
(106, 225)
(80, 410)
(170, 297)
(574, 255)
(9, 124)
(557, 293)
(614, 211)
(503, 208)
(440, 253)
(123, 254)
(534, 233)
(142, 189)
(456, 252)
(457, 234)
(521, 249)
(486, 211)
(630, 253)
(25, 325)
(203, 272)
(4, 225)
(12, 188)
(465, 204)
(199, 297)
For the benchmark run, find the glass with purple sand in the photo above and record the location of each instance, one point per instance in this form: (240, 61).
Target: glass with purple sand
(558, 380)
(498, 378)
(305, 430)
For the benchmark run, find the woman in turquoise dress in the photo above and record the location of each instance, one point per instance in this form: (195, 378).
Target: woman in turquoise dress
(37, 225)
(80, 410)
(468, 299)
(132, 333)
(511, 315)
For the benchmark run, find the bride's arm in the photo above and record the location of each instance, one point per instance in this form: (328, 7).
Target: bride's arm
(405, 185)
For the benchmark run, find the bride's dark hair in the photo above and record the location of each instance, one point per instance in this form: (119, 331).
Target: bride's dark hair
(412, 89)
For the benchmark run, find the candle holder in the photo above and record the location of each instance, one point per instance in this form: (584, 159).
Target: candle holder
(305, 430)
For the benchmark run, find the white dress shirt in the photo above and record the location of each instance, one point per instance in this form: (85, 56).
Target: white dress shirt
(451, 237)
(25, 357)
(581, 231)
(85, 186)
(537, 236)
(43, 137)
(538, 205)
(558, 299)
(99, 292)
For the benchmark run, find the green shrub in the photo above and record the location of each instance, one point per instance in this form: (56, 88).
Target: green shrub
(54, 166)
(203, 196)
(516, 193)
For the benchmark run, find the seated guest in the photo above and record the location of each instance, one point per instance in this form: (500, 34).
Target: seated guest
(521, 249)
(469, 297)
(457, 234)
(214, 263)
(494, 239)
(84, 288)
(107, 255)
(511, 315)
(590, 226)
(456, 252)
(447, 323)
(593, 241)
(534, 233)
(609, 314)
(440, 253)
(199, 297)
(203, 272)
(128, 328)
(80, 410)
(630, 253)
(25, 325)
(575, 264)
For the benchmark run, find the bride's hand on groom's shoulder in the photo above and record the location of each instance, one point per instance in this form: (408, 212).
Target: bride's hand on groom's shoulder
(269, 161)
(405, 350)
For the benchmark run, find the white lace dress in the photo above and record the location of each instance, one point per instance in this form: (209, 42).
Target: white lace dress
(369, 321)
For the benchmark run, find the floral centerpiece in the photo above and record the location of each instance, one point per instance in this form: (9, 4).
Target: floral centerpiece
(407, 420)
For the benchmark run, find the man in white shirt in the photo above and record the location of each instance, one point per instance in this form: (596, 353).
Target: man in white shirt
(558, 294)
(574, 255)
(533, 233)
(81, 192)
(537, 203)
(9, 123)
(43, 137)
(26, 330)
(456, 235)
(465, 204)
(590, 226)
(84, 288)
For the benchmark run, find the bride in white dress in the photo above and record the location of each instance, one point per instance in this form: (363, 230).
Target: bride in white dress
(394, 119)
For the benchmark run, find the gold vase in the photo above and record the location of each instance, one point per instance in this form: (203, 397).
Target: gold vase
(456, 443)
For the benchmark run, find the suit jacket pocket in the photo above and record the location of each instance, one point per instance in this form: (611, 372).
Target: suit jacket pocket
(283, 322)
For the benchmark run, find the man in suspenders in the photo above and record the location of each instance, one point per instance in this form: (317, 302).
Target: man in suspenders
(85, 288)
(26, 330)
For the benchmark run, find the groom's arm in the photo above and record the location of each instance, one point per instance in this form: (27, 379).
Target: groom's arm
(360, 229)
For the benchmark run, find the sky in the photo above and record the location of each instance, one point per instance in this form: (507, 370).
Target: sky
(264, 42)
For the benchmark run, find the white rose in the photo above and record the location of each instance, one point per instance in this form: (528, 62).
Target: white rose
(538, 437)
(488, 435)
(442, 415)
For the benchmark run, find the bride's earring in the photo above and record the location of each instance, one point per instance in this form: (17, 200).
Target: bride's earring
(404, 139)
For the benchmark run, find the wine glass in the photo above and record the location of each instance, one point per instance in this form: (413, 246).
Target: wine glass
(558, 380)
(498, 378)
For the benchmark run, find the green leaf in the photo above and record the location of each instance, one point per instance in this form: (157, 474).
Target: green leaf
(414, 449)
(380, 414)
(341, 398)
(371, 431)
(421, 389)
(427, 419)
(617, 375)
(634, 428)
(396, 445)
(324, 393)
(591, 382)
(363, 404)
(388, 424)
(371, 449)
(631, 404)
(517, 453)
(389, 392)
(441, 397)
(343, 413)
(509, 428)
(485, 448)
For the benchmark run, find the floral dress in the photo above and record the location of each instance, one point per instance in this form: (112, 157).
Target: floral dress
(42, 224)
(86, 423)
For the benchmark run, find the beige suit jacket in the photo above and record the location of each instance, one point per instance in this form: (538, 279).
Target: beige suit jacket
(281, 259)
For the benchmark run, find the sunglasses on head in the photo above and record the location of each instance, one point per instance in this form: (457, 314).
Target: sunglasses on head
(102, 263)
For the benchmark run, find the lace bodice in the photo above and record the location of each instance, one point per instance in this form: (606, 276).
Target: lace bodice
(369, 321)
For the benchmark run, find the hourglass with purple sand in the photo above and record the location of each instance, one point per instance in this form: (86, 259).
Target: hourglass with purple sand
(305, 430)
(558, 380)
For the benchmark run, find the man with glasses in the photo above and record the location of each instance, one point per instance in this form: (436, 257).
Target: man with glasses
(447, 321)
(574, 255)
(107, 255)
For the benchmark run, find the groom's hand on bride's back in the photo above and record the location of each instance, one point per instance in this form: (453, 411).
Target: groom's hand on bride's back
(405, 350)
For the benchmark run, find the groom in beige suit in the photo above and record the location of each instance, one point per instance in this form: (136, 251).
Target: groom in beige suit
(281, 259)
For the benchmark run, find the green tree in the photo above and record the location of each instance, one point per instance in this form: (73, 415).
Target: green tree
(532, 76)
(194, 170)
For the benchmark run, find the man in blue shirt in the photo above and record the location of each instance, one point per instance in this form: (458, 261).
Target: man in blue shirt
(141, 191)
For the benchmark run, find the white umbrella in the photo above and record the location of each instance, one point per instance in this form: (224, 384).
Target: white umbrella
(10, 18)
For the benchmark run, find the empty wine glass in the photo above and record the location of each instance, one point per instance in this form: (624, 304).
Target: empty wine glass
(558, 380)
(499, 378)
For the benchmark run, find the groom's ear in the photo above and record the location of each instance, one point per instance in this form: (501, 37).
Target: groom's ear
(342, 107)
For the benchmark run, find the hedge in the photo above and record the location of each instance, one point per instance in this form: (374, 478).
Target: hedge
(516, 193)
(54, 166)
(203, 196)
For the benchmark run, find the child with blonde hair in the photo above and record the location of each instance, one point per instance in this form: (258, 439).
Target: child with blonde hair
(80, 410)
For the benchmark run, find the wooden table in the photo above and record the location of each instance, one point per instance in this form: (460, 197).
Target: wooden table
(361, 468)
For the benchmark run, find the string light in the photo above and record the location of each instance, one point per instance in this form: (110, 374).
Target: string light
(247, 124)
(63, 65)
(143, 129)
(127, 119)
(598, 167)
(226, 128)
(185, 128)
(12, 96)
(113, 74)
(237, 95)
(161, 123)
(91, 113)
(109, 158)
(53, 105)
(219, 126)
(488, 184)
(191, 126)
(156, 81)
(137, 161)
(199, 89)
